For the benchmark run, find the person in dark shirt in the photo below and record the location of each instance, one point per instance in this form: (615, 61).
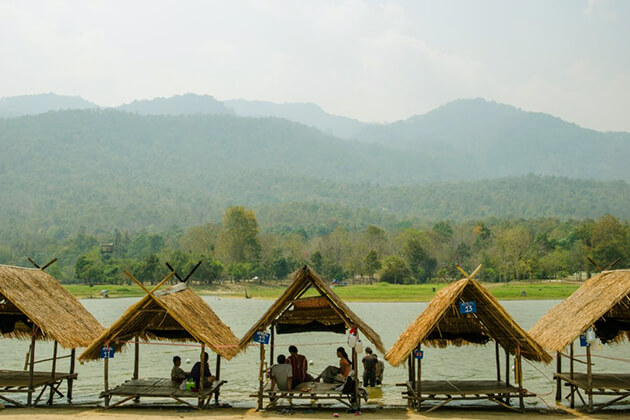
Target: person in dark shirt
(299, 367)
(370, 362)
(195, 373)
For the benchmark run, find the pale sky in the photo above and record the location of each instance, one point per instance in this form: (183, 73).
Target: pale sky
(371, 60)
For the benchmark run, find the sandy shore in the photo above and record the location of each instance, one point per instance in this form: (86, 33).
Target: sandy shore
(242, 413)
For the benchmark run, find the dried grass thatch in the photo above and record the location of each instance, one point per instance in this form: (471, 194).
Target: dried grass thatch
(174, 314)
(602, 301)
(32, 294)
(441, 324)
(327, 308)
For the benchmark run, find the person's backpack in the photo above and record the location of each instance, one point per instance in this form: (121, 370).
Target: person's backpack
(348, 385)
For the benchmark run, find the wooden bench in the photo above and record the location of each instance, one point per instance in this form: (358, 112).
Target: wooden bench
(17, 381)
(616, 385)
(313, 391)
(444, 392)
(159, 388)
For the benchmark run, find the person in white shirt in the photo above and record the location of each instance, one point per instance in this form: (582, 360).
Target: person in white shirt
(282, 375)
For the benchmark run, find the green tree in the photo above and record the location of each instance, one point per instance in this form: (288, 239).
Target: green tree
(238, 239)
(372, 264)
(395, 270)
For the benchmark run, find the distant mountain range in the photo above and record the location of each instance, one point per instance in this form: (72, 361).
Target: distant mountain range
(17, 106)
(181, 160)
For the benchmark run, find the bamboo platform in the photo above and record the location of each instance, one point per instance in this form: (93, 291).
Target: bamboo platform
(16, 381)
(611, 384)
(444, 392)
(312, 391)
(159, 388)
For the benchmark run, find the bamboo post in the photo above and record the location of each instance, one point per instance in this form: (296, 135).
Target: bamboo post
(106, 374)
(419, 380)
(202, 373)
(357, 399)
(589, 378)
(261, 379)
(558, 380)
(572, 398)
(136, 358)
(410, 376)
(507, 374)
(52, 374)
(217, 373)
(70, 380)
(496, 353)
(31, 367)
(271, 345)
(136, 364)
(519, 370)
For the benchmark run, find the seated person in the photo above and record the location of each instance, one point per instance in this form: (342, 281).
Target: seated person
(334, 374)
(299, 365)
(177, 373)
(281, 375)
(195, 373)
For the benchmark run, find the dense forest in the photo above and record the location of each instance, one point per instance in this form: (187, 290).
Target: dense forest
(236, 249)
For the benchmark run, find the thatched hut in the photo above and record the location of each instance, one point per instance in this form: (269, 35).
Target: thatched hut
(34, 306)
(175, 314)
(464, 313)
(294, 313)
(599, 308)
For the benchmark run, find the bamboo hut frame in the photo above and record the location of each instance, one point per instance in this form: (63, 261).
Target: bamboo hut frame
(173, 314)
(602, 304)
(34, 306)
(441, 324)
(288, 309)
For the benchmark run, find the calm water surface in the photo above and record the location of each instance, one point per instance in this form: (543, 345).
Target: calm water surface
(387, 319)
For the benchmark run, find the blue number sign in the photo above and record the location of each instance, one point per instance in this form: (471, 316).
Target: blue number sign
(261, 337)
(107, 352)
(418, 354)
(583, 342)
(468, 307)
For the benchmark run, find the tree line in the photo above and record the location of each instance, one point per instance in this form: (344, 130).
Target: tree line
(236, 249)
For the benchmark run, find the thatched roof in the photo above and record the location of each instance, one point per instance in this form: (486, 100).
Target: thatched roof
(326, 312)
(441, 324)
(603, 301)
(30, 294)
(173, 314)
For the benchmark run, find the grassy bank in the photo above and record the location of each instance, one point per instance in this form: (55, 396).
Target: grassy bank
(379, 292)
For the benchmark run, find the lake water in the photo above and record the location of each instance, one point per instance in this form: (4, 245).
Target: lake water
(387, 319)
